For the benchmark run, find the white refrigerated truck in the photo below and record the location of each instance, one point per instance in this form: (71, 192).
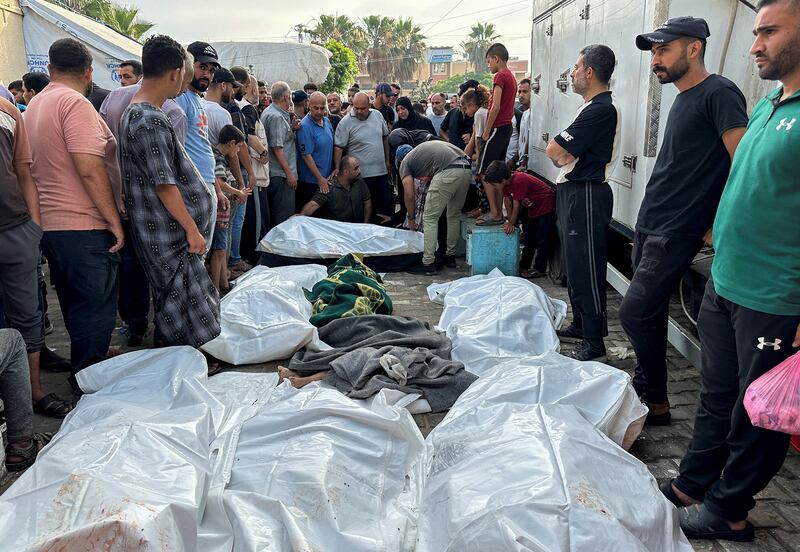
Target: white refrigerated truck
(562, 27)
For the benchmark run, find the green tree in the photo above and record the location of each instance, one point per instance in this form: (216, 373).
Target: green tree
(124, 19)
(480, 37)
(451, 84)
(408, 47)
(340, 28)
(344, 68)
(379, 56)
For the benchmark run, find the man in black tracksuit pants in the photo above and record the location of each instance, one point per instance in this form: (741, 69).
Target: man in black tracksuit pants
(704, 127)
(586, 152)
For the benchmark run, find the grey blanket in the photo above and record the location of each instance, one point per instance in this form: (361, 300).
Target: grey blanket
(360, 342)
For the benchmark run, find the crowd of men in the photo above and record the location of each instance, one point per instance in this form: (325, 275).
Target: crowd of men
(157, 191)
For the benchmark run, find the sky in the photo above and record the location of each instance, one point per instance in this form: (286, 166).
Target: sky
(443, 23)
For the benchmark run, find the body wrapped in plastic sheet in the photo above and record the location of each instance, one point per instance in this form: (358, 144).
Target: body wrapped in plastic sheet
(266, 316)
(494, 318)
(513, 478)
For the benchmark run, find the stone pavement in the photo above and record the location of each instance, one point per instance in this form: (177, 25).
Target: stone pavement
(776, 516)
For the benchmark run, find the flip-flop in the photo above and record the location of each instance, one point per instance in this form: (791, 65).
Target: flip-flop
(698, 523)
(489, 221)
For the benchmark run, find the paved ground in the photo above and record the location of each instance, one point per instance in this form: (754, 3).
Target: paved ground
(776, 517)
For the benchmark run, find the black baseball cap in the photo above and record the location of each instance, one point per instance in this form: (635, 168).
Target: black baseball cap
(299, 96)
(224, 75)
(203, 52)
(385, 88)
(673, 29)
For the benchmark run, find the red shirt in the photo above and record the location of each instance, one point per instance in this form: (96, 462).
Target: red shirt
(506, 81)
(538, 197)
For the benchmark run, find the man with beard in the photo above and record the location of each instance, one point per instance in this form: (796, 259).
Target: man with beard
(334, 109)
(264, 98)
(169, 204)
(76, 172)
(704, 127)
(586, 153)
(197, 145)
(749, 321)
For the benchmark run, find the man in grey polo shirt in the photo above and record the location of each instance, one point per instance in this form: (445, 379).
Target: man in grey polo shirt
(282, 154)
(449, 172)
(364, 135)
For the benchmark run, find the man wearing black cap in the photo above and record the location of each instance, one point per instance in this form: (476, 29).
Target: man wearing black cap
(197, 146)
(704, 127)
(383, 102)
(300, 101)
(587, 152)
(749, 321)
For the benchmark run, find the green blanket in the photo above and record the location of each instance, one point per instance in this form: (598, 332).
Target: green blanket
(351, 289)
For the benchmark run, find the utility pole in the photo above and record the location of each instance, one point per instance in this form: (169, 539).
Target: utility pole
(300, 28)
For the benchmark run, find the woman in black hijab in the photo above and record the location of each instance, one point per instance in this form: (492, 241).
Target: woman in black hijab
(409, 119)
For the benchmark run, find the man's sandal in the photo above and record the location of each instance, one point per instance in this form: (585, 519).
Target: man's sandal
(28, 454)
(698, 523)
(53, 406)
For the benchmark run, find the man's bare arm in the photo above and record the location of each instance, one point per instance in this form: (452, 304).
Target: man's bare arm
(28, 190)
(367, 210)
(309, 209)
(94, 177)
(558, 155)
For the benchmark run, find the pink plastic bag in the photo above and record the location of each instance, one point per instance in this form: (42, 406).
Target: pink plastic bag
(773, 400)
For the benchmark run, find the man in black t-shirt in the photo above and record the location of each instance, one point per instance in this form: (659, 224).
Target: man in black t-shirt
(586, 153)
(705, 124)
(383, 102)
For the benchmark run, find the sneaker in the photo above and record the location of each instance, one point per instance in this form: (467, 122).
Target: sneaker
(572, 333)
(450, 261)
(427, 270)
(586, 350)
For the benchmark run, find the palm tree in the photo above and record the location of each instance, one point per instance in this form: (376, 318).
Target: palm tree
(122, 18)
(408, 47)
(480, 37)
(379, 55)
(126, 20)
(340, 28)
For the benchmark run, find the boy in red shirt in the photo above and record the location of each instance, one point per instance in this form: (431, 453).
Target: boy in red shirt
(532, 202)
(497, 132)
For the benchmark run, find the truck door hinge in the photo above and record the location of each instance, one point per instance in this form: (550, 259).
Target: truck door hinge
(536, 85)
(585, 12)
(549, 30)
(629, 161)
(562, 83)
(546, 136)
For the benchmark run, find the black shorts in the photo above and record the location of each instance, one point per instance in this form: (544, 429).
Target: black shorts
(495, 147)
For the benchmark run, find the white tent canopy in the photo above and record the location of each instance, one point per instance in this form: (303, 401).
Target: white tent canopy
(43, 23)
(294, 63)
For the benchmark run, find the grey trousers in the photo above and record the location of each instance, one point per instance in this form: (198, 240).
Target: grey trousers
(19, 284)
(15, 385)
